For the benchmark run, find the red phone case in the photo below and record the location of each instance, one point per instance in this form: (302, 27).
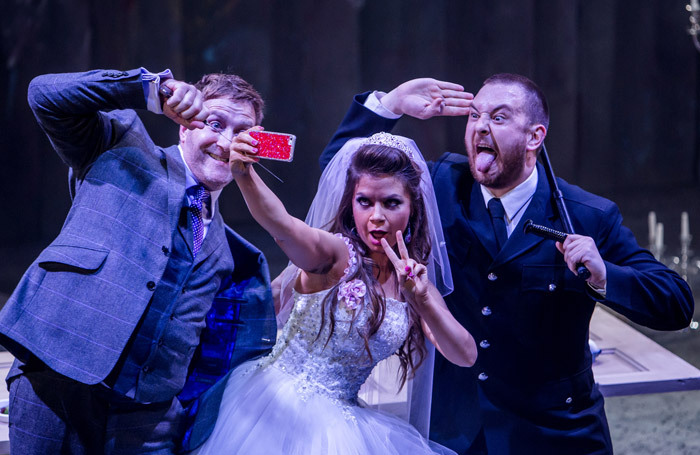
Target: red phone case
(274, 146)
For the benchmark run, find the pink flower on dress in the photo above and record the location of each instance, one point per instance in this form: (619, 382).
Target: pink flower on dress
(352, 292)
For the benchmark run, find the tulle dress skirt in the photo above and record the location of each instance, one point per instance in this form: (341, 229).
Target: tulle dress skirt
(267, 411)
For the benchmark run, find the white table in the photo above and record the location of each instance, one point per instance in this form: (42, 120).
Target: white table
(630, 363)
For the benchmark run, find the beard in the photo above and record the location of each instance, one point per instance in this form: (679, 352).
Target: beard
(510, 168)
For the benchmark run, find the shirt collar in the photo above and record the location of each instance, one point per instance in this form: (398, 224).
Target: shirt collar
(191, 180)
(516, 198)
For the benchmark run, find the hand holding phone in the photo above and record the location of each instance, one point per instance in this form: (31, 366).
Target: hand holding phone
(274, 146)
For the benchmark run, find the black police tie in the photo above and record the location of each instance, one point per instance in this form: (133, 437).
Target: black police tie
(498, 220)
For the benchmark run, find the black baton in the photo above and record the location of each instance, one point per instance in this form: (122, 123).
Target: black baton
(581, 269)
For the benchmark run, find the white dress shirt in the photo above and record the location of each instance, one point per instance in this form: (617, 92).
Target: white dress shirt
(515, 201)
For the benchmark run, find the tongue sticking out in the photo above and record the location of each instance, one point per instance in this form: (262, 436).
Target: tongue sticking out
(484, 160)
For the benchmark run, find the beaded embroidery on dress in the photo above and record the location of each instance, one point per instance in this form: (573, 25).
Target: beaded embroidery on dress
(302, 398)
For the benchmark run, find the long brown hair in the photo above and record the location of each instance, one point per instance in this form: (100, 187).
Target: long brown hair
(382, 160)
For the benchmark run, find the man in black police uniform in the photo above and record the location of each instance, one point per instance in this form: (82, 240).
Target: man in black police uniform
(531, 390)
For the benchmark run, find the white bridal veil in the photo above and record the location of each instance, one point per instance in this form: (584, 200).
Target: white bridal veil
(380, 391)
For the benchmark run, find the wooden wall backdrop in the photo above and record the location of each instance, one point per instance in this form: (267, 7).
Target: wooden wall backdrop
(621, 77)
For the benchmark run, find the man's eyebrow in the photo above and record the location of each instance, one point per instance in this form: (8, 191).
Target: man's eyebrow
(504, 107)
(230, 119)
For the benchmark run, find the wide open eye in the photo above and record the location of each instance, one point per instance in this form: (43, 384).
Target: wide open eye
(215, 125)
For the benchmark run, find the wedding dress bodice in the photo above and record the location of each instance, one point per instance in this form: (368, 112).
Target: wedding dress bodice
(339, 367)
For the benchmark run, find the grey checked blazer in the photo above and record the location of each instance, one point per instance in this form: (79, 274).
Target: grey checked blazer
(77, 305)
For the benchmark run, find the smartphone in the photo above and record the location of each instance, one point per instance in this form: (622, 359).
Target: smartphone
(274, 146)
(271, 145)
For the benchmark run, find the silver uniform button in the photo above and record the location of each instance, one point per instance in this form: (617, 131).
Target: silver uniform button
(569, 400)
(492, 276)
(486, 311)
(484, 344)
(552, 287)
(483, 376)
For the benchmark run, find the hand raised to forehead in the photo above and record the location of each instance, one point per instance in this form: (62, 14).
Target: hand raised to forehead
(412, 276)
(184, 104)
(425, 98)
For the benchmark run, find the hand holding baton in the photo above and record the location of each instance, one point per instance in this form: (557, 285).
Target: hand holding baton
(557, 236)
(558, 197)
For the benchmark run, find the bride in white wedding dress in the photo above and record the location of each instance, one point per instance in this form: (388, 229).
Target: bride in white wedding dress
(360, 289)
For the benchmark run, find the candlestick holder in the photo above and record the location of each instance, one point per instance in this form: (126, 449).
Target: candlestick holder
(685, 256)
(686, 265)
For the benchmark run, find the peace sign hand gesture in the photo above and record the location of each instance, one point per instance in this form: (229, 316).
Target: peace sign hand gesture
(412, 276)
(438, 324)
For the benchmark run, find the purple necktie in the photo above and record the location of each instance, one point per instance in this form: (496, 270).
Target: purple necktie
(200, 197)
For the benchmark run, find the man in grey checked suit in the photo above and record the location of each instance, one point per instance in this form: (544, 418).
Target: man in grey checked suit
(107, 320)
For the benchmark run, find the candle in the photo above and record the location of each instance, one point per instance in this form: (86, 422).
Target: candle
(685, 226)
(652, 228)
(659, 238)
